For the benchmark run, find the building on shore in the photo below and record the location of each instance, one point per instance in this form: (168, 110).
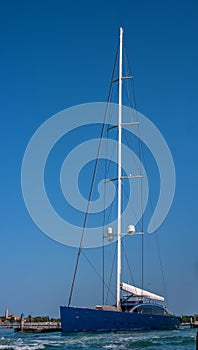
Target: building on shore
(9, 318)
(6, 314)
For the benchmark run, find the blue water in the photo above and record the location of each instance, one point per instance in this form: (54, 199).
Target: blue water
(183, 339)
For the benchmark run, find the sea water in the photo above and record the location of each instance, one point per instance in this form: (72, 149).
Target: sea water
(182, 339)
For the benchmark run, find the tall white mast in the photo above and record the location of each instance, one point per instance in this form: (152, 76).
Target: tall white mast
(119, 170)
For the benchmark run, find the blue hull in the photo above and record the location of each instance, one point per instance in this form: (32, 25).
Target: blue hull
(75, 319)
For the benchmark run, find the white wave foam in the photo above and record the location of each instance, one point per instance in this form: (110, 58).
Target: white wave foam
(23, 346)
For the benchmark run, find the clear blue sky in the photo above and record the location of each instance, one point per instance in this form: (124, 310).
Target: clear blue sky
(56, 54)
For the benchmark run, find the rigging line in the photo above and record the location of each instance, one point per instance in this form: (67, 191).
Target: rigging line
(86, 214)
(133, 210)
(130, 80)
(156, 235)
(111, 157)
(92, 183)
(162, 270)
(130, 147)
(105, 219)
(126, 97)
(114, 97)
(157, 241)
(111, 274)
(126, 257)
(140, 157)
(106, 171)
(103, 263)
(104, 224)
(127, 74)
(103, 249)
(160, 257)
(111, 207)
(114, 262)
(158, 247)
(127, 261)
(141, 199)
(96, 272)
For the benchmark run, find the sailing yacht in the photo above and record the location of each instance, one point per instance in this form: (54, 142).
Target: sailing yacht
(140, 309)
